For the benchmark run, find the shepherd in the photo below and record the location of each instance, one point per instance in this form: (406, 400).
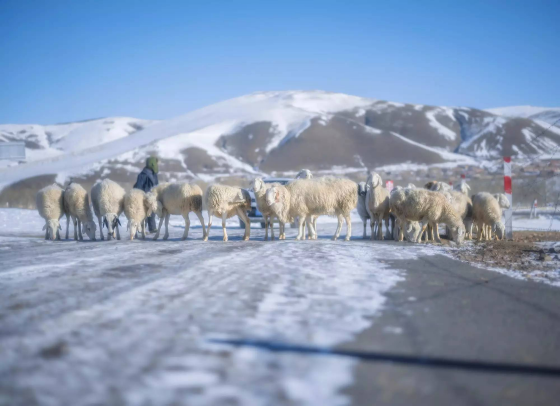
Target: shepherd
(146, 180)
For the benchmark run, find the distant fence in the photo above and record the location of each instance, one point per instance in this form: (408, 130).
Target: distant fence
(12, 150)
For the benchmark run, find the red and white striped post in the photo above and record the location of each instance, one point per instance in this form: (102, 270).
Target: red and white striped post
(463, 178)
(389, 185)
(507, 190)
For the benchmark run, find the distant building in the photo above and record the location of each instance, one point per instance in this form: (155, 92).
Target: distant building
(12, 151)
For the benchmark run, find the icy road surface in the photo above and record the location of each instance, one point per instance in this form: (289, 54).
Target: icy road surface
(132, 323)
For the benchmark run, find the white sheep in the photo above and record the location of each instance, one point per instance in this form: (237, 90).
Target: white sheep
(362, 205)
(487, 212)
(227, 201)
(430, 208)
(414, 227)
(179, 199)
(50, 204)
(76, 205)
(107, 199)
(304, 198)
(259, 189)
(138, 206)
(312, 223)
(377, 204)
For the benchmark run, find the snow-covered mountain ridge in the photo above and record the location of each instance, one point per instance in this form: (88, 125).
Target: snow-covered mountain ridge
(268, 132)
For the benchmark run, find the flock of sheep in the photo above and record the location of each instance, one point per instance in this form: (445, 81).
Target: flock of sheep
(414, 213)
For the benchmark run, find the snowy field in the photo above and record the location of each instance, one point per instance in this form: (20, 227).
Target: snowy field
(105, 322)
(132, 322)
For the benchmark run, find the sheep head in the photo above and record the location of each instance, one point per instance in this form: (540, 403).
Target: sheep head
(133, 227)
(362, 188)
(503, 201)
(52, 226)
(111, 221)
(150, 204)
(304, 174)
(257, 185)
(499, 230)
(272, 196)
(458, 234)
(374, 180)
(89, 228)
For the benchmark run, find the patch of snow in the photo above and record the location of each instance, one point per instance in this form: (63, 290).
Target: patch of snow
(443, 130)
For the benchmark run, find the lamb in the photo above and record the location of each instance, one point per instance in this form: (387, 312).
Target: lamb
(377, 204)
(430, 208)
(179, 199)
(362, 205)
(107, 199)
(50, 204)
(304, 198)
(260, 188)
(487, 211)
(76, 205)
(138, 206)
(227, 201)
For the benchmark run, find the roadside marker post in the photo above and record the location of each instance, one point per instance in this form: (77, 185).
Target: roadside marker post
(508, 213)
(389, 185)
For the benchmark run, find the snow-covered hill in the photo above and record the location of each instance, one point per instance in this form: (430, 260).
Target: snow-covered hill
(268, 132)
(549, 115)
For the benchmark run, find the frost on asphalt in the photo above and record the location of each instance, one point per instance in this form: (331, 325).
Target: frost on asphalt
(120, 321)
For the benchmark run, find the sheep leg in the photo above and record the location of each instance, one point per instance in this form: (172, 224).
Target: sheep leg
(301, 222)
(424, 227)
(387, 229)
(348, 227)
(75, 222)
(309, 224)
(80, 230)
(282, 236)
(187, 226)
(160, 224)
(243, 215)
(166, 235)
(480, 233)
(67, 225)
(271, 222)
(144, 229)
(338, 227)
(224, 218)
(101, 229)
(265, 218)
(315, 227)
(201, 219)
(58, 235)
(47, 233)
(435, 227)
(372, 226)
(118, 233)
(210, 214)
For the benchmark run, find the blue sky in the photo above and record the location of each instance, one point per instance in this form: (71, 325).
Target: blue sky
(71, 60)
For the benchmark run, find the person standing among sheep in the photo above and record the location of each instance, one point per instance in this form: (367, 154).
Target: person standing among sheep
(147, 179)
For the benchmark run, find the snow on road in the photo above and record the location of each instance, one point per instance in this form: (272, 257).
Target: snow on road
(131, 322)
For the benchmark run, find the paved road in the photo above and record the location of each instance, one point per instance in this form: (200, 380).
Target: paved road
(138, 323)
